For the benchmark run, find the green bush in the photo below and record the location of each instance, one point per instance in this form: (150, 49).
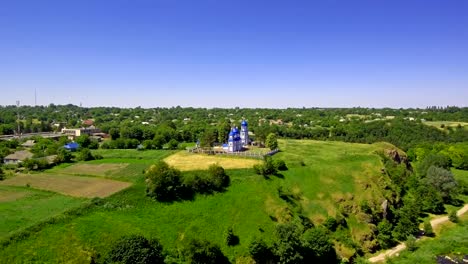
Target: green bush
(453, 216)
(411, 243)
(428, 229)
(230, 238)
(280, 165)
(203, 252)
(135, 249)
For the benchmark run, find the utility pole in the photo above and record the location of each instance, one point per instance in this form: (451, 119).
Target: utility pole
(18, 117)
(35, 97)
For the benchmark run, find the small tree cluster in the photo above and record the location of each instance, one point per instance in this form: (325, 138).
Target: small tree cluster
(166, 183)
(203, 252)
(269, 166)
(36, 164)
(85, 155)
(135, 249)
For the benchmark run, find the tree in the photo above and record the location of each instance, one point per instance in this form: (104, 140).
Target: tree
(63, 156)
(318, 247)
(443, 181)
(384, 235)
(163, 182)
(271, 141)
(172, 144)
(85, 155)
(208, 138)
(223, 130)
(288, 246)
(203, 252)
(84, 141)
(218, 177)
(135, 249)
(114, 133)
(261, 252)
(436, 160)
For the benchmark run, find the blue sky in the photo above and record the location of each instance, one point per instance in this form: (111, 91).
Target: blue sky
(327, 53)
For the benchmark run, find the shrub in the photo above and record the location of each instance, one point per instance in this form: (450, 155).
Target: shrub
(453, 216)
(230, 238)
(203, 252)
(267, 168)
(85, 155)
(135, 249)
(428, 228)
(280, 165)
(411, 243)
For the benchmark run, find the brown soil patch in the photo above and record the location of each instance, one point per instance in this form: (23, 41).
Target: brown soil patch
(95, 169)
(188, 161)
(69, 185)
(9, 196)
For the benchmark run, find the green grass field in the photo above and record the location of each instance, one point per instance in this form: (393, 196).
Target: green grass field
(22, 207)
(333, 173)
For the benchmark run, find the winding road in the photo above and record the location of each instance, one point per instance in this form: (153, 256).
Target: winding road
(434, 222)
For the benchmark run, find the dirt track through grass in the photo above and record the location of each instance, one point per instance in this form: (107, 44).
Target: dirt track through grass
(88, 187)
(189, 161)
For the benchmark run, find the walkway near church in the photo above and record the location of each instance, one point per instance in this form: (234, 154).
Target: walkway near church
(435, 222)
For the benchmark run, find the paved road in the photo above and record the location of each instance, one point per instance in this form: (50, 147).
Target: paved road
(434, 222)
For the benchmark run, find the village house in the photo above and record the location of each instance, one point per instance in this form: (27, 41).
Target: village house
(17, 157)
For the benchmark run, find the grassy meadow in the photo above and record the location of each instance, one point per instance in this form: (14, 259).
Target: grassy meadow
(324, 175)
(22, 207)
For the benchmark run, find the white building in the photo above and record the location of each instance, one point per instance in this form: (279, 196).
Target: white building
(72, 133)
(238, 139)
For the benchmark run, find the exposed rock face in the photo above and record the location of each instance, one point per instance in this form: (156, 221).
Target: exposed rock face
(395, 156)
(384, 208)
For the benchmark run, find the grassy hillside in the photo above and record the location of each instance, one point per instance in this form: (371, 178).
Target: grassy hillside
(323, 176)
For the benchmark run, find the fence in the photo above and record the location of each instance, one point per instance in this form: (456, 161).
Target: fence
(251, 154)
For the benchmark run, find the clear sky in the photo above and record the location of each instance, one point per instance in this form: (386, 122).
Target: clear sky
(228, 53)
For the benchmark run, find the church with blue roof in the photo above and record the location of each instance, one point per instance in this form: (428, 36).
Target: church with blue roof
(237, 139)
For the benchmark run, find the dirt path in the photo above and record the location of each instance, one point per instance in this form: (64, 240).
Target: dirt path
(434, 222)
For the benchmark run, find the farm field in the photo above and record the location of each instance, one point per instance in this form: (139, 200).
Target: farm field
(88, 187)
(103, 169)
(324, 175)
(189, 161)
(452, 124)
(22, 207)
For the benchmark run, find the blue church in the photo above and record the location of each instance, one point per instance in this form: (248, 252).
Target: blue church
(238, 139)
